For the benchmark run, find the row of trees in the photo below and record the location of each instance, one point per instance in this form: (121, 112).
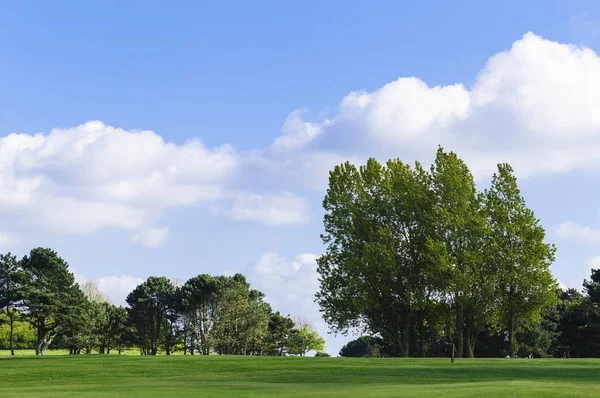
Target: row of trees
(569, 328)
(416, 256)
(41, 305)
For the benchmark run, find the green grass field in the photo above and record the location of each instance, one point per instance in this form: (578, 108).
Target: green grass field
(214, 376)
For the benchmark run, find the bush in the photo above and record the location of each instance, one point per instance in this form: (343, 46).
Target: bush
(322, 354)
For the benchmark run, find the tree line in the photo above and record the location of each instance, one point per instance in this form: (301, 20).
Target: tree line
(570, 328)
(428, 264)
(42, 306)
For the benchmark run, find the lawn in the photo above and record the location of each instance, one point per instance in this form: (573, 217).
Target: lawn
(214, 376)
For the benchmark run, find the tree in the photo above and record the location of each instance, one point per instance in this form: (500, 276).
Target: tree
(374, 274)
(242, 320)
(303, 338)
(364, 346)
(199, 305)
(50, 294)
(10, 292)
(459, 246)
(91, 291)
(113, 328)
(279, 331)
(150, 305)
(522, 258)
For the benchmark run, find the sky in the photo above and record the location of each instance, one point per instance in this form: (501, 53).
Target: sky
(148, 138)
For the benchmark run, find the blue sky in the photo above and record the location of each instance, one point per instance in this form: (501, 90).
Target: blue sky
(193, 137)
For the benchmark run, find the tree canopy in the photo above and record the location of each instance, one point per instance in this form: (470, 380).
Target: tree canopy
(418, 256)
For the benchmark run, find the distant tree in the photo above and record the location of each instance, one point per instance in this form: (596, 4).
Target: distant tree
(279, 331)
(150, 311)
(588, 334)
(91, 291)
(522, 259)
(243, 319)
(50, 294)
(322, 355)
(79, 331)
(304, 338)
(199, 303)
(10, 293)
(364, 346)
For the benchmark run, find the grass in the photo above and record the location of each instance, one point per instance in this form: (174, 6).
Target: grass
(214, 376)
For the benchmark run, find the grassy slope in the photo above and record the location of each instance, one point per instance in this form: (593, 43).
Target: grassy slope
(126, 376)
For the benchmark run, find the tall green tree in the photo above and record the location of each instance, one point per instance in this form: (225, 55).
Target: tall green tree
(50, 294)
(374, 274)
(150, 311)
(10, 293)
(199, 305)
(242, 321)
(279, 331)
(460, 243)
(521, 257)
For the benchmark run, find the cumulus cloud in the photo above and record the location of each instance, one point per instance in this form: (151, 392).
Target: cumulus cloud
(535, 105)
(269, 209)
(114, 287)
(78, 180)
(573, 230)
(296, 132)
(117, 287)
(6, 240)
(290, 286)
(151, 237)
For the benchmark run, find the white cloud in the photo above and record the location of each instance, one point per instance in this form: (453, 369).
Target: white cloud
(535, 105)
(117, 287)
(572, 230)
(290, 286)
(151, 238)
(78, 180)
(270, 209)
(6, 240)
(594, 263)
(296, 132)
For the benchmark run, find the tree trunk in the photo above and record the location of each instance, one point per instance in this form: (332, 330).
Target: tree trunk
(406, 336)
(459, 331)
(469, 330)
(39, 343)
(468, 346)
(422, 337)
(511, 339)
(511, 326)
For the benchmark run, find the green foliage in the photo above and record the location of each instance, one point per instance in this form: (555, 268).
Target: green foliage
(24, 335)
(11, 290)
(524, 283)
(304, 339)
(51, 298)
(150, 311)
(421, 257)
(364, 346)
(279, 330)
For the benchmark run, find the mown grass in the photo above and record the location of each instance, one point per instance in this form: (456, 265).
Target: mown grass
(214, 376)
